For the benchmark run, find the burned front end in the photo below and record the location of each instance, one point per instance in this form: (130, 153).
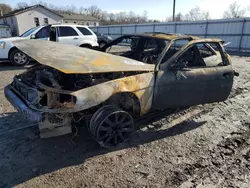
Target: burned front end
(55, 99)
(43, 94)
(43, 89)
(68, 87)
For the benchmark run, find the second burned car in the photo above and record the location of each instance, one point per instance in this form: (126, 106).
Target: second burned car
(135, 74)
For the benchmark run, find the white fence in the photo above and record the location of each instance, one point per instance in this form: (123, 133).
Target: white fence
(235, 31)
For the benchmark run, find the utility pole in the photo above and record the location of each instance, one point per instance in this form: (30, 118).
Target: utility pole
(173, 10)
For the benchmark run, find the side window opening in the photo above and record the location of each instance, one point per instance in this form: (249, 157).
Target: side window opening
(205, 51)
(43, 33)
(126, 47)
(66, 31)
(152, 49)
(84, 31)
(174, 48)
(144, 49)
(202, 55)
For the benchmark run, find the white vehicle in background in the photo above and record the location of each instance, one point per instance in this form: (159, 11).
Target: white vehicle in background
(77, 35)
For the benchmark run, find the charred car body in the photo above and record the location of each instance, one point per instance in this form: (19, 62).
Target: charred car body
(133, 75)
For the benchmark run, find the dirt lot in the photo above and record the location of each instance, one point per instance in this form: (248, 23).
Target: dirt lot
(203, 146)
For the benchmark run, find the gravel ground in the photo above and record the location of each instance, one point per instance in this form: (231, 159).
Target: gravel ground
(203, 146)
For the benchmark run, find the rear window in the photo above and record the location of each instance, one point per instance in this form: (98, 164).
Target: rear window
(66, 31)
(84, 31)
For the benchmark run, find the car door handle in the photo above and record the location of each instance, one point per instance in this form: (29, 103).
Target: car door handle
(75, 38)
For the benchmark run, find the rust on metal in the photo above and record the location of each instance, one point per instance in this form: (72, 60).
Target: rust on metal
(74, 60)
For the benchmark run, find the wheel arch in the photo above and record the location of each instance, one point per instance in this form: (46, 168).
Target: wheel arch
(86, 45)
(11, 50)
(128, 101)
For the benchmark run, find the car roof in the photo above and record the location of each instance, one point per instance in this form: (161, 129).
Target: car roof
(73, 25)
(165, 36)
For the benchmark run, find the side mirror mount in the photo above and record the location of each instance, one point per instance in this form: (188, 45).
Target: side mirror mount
(33, 36)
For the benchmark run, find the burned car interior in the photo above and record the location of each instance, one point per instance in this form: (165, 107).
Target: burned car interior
(130, 77)
(144, 49)
(200, 55)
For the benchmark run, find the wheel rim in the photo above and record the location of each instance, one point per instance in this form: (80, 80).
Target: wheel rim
(115, 129)
(20, 58)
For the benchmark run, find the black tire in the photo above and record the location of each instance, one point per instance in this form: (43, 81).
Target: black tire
(18, 58)
(111, 126)
(86, 46)
(102, 44)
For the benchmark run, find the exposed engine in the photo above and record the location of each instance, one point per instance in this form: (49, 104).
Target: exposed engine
(47, 88)
(44, 75)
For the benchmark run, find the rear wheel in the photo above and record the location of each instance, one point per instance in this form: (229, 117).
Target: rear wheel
(111, 126)
(18, 58)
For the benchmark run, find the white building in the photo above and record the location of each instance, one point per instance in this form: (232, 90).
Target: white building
(23, 19)
(80, 19)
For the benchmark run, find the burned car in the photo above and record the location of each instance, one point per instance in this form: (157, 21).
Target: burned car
(133, 75)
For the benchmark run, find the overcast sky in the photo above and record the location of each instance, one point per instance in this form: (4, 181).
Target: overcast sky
(157, 9)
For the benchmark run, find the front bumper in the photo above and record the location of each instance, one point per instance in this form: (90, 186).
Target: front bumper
(20, 106)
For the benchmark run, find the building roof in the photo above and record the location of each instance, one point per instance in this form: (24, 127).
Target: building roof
(19, 11)
(79, 17)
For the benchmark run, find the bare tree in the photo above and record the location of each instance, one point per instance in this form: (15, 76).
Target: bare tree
(196, 14)
(153, 21)
(234, 11)
(144, 16)
(111, 18)
(82, 10)
(94, 11)
(4, 9)
(132, 17)
(21, 5)
(121, 17)
(206, 15)
(71, 9)
(103, 16)
(178, 17)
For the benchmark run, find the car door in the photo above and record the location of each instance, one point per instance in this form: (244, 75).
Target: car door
(68, 35)
(186, 79)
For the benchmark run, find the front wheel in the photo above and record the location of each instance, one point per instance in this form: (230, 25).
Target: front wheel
(18, 58)
(111, 126)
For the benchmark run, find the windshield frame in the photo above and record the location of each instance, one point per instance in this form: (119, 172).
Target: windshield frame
(29, 31)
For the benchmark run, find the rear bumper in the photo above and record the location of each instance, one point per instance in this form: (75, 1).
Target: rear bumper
(20, 106)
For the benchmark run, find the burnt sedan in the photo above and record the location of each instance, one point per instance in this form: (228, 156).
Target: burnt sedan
(133, 75)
